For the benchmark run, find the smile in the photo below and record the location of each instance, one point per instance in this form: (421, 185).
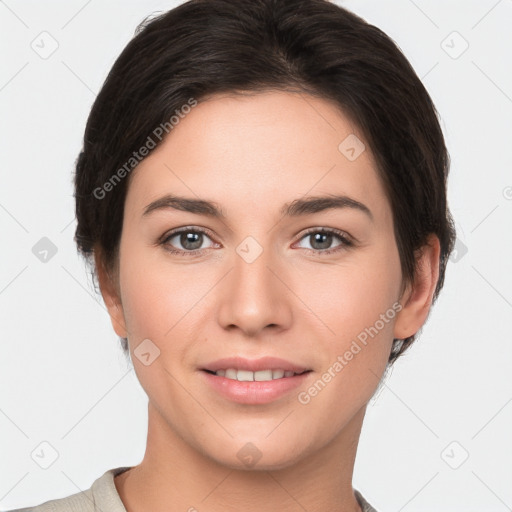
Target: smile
(259, 376)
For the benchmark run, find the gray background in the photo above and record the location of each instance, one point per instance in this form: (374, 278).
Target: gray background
(437, 436)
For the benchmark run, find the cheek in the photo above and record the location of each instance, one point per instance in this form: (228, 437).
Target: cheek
(357, 306)
(349, 297)
(160, 303)
(356, 302)
(156, 294)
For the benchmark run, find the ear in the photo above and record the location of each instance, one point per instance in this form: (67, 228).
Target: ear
(111, 296)
(417, 297)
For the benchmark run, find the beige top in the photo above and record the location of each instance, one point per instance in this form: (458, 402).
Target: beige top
(102, 496)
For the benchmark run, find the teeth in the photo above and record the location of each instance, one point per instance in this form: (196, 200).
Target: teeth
(277, 374)
(248, 376)
(263, 375)
(244, 375)
(231, 374)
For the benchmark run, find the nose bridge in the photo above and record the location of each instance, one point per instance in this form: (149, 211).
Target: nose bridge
(253, 297)
(251, 270)
(253, 282)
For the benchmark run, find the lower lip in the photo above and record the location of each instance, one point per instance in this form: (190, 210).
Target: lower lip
(254, 392)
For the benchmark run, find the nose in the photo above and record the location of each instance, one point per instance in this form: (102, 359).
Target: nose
(254, 297)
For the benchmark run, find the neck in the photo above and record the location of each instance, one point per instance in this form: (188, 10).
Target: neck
(174, 473)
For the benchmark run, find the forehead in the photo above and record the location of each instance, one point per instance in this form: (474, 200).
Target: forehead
(253, 150)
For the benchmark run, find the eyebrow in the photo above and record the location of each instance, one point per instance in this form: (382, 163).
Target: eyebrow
(296, 208)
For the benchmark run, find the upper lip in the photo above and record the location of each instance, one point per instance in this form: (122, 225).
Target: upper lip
(254, 365)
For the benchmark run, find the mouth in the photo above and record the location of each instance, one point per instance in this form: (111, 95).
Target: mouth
(257, 376)
(253, 382)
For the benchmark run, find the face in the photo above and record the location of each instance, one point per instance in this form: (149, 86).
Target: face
(314, 286)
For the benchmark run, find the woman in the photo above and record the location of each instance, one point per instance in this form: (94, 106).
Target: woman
(262, 198)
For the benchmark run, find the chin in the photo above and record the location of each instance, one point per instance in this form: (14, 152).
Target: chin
(258, 455)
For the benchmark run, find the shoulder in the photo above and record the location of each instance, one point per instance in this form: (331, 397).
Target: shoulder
(79, 502)
(101, 496)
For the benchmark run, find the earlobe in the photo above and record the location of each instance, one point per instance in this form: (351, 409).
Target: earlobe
(111, 296)
(417, 298)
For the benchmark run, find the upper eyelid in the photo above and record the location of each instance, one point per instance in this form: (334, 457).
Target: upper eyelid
(186, 229)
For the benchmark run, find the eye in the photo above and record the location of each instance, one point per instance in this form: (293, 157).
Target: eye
(190, 238)
(321, 239)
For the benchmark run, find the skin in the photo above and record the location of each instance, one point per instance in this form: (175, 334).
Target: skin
(251, 155)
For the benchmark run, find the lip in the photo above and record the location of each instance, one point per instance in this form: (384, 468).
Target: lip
(254, 365)
(253, 392)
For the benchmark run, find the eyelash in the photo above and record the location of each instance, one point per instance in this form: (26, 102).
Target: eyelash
(342, 237)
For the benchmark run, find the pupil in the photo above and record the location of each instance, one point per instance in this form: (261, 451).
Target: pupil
(191, 241)
(324, 240)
